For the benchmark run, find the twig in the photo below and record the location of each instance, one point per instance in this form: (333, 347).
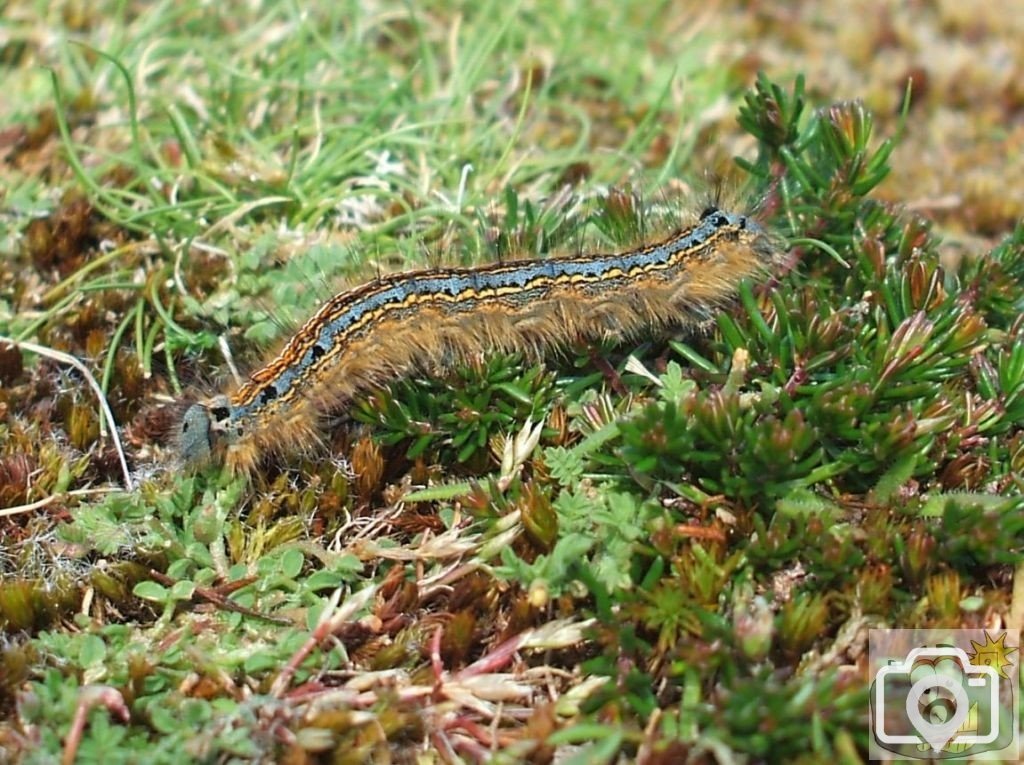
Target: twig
(67, 358)
(219, 599)
(435, 657)
(18, 509)
(611, 376)
(332, 618)
(90, 696)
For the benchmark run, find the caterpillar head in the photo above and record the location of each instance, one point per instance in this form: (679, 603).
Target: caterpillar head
(202, 429)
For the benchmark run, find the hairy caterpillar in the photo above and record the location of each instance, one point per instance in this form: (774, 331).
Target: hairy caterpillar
(363, 338)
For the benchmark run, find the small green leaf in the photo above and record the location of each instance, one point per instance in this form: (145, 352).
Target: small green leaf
(150, 590)
(183, 589)
(895, 478)
(291, 563)
(93, 651)
(972, 603)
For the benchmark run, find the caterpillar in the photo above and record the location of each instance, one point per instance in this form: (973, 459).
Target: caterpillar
(363, 338)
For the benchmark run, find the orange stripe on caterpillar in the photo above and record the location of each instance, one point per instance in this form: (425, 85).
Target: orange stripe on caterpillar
(365, 337)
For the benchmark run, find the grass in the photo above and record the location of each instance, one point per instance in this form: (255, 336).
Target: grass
(510, 561)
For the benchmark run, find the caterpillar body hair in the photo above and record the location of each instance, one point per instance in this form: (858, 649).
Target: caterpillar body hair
(363, 338)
